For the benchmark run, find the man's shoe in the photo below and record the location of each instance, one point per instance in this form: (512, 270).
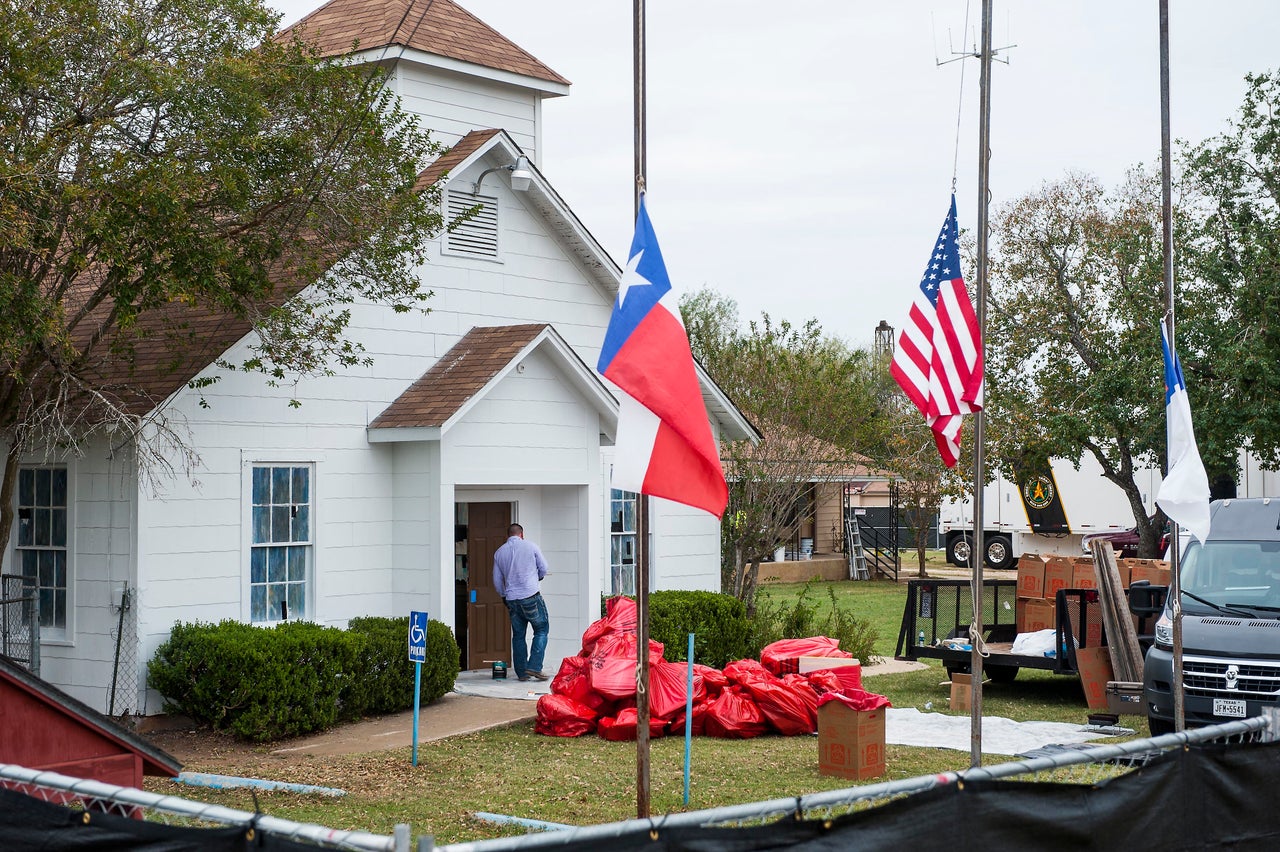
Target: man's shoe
(524, 679)
(538, 676)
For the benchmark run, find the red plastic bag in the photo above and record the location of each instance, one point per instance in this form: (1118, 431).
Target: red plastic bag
(623, 726)
(613, 664)
(744, 671)
(856, 699)
(620, 616)
(713, 680)
(789, 708)
(824, 681)
(669, 687)
(574, 680)
(699, 727)
(561, 716)
(783, 657)
(735, 716)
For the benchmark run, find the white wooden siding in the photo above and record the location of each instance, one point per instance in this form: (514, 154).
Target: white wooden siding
(453, 104)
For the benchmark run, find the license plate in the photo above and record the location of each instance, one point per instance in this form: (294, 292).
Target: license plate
(1233, 707)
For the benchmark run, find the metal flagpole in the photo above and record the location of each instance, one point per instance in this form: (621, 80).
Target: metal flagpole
(1166, 211)
(642, 501)
(979, 424)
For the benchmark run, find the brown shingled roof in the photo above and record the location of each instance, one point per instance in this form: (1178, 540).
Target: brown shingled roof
(433, 26)
(459, 375)
(463, 148)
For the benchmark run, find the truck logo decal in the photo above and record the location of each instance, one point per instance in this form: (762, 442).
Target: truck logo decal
(1038, 492)
(1233, 677)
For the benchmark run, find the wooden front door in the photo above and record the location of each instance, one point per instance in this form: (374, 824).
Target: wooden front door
(488, 625)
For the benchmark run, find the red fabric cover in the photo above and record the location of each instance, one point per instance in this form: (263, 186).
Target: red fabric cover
(574, 681)
(744, 671)
(668, 687)
(735, 716)
(623, 726)
(620, 616)
(561, 716)
(856, 699)
(783, 657)
(713, 680)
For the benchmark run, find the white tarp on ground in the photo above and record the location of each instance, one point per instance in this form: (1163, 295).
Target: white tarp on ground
(909, 726)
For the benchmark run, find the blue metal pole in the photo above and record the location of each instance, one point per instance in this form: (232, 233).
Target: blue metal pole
(417, 697)
(688, 722)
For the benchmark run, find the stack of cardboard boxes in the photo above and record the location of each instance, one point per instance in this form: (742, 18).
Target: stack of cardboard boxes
(1040, 578)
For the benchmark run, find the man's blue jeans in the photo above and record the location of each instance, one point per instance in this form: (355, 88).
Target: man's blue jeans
(525, 613)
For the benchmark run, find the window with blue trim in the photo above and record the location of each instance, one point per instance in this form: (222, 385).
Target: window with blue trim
(622, 542)
(42, 540)
(281, 553)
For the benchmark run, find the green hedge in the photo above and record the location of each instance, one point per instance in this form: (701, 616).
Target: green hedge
(722, 632)
(296, 678)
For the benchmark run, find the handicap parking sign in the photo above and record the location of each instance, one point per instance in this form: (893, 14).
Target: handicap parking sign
(417, 637)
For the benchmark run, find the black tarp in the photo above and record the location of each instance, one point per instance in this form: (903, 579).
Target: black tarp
(1204, 797)
(28, 823)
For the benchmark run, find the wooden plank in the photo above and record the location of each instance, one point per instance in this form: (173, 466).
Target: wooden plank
(1122, 638)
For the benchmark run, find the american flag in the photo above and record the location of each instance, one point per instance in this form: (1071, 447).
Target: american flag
(938, 357)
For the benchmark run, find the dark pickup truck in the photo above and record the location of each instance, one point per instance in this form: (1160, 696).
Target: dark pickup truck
(937, 614)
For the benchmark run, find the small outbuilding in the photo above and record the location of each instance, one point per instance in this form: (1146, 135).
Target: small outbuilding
(41, 727)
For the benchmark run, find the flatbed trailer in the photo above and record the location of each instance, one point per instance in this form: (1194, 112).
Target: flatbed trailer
(937, 615)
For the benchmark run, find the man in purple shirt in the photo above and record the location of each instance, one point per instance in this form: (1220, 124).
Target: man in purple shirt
(518, 567)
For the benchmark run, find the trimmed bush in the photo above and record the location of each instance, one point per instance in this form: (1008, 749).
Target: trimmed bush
(384, 680)
(719, 623)
(776, 620)
(296, 678)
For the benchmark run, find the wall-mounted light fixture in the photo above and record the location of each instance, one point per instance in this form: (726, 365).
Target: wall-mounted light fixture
(521, 175)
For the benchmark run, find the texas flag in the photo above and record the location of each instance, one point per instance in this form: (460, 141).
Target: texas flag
(664, 447)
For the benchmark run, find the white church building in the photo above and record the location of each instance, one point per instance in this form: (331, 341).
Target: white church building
(388, 488)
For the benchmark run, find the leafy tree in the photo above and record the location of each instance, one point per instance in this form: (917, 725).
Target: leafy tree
(1227, 336)
(810, 396)
(165, 164)
(1073, 359)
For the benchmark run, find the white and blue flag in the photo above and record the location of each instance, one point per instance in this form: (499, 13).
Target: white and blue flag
(1184, 493)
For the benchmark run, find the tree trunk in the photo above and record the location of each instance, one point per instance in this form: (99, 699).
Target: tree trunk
(7, 486)
(748, 596)
(920, 552)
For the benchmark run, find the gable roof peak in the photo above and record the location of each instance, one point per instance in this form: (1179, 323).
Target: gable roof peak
(439, 27)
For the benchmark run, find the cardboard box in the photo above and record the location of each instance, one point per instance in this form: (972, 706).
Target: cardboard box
(1031, 575)
(1086, 623)
(1058, 573)
(1020, 615)
(1125, 567)
(1154, 571)
(961, 691)
(850, 742)
(1124, 698)
(1095, 672)
(1084, 575)
(1039, 616)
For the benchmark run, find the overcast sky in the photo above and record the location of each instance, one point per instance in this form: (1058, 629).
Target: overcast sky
(800, 154)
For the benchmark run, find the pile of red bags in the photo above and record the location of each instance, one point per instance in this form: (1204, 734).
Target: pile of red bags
(596, 690)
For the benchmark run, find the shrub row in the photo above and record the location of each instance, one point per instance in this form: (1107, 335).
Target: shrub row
(296, 678)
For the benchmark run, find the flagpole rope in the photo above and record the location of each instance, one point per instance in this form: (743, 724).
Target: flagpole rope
(955, 163)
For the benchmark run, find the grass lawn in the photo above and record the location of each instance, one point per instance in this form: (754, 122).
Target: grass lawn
(588, 780)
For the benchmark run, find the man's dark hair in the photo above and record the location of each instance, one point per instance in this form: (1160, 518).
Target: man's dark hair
(515, 529)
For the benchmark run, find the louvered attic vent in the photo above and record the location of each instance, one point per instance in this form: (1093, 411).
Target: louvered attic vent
(477, 236)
